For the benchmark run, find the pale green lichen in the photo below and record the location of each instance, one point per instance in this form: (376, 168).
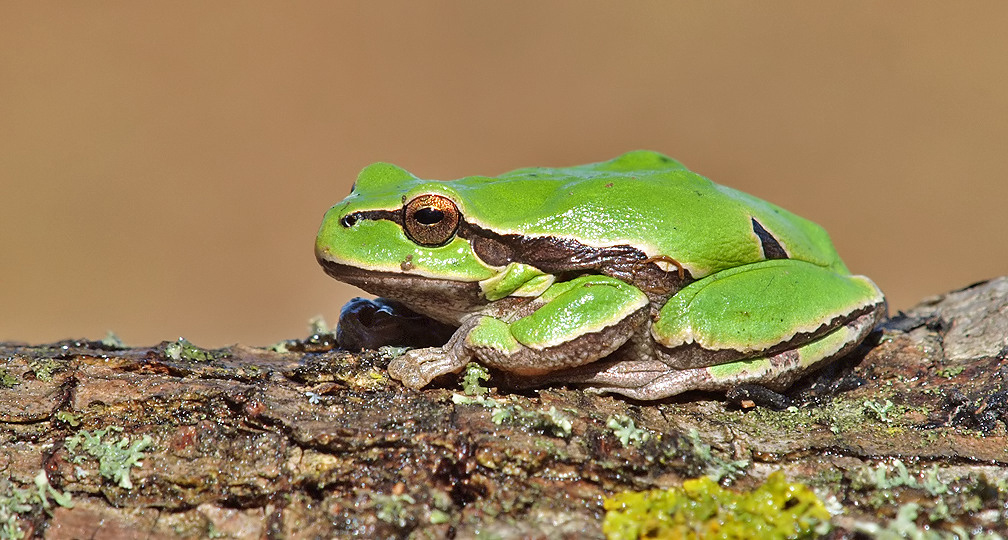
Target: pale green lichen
(703, 509)
(388, 352)
(437, 517)
(551, 422)
(441, 505)
(44, 368)
(560, 422)
(474, 373)
(626, 431)
(317, 325)
(487, 402)
(717, 468)
(393, 509)
(880, 411)
(68, 418)
(889, 482)
(7, 380)
(15, 502)
(500, 411)
(112, 341)
(115, 458)
(45, 490)
(904, 525)
(183, 349)
(897, 475)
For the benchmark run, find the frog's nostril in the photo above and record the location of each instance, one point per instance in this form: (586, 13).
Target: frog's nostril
(348, 220)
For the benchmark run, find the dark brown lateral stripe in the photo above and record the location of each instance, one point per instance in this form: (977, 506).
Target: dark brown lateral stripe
(567, 257)
(562, 256)
(771, 247)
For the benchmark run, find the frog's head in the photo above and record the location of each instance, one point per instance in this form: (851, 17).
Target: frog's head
(399, 236)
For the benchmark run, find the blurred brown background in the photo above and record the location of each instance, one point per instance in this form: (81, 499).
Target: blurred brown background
(164, 166)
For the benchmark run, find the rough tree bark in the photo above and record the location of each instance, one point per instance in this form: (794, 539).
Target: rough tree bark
(173, 441)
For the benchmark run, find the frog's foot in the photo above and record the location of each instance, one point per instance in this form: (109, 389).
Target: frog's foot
(417, 368)
(638, 379)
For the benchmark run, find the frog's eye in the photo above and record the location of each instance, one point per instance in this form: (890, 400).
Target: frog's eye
(430, 220)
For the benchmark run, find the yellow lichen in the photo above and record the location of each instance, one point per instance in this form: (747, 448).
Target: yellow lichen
(703, 509)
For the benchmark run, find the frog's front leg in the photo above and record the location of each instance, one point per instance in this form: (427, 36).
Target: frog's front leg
(571, 323)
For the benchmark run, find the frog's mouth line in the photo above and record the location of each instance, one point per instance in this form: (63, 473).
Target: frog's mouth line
(372, 279)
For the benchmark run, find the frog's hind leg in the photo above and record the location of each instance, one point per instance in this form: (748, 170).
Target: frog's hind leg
(758, 311)
(650, 379)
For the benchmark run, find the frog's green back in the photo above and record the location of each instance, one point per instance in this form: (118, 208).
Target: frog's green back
(643, 199)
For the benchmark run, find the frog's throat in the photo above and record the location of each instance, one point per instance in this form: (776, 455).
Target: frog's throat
(440, 299)
(564, 256)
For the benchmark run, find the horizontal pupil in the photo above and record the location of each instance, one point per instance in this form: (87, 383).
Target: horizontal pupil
(428, 216)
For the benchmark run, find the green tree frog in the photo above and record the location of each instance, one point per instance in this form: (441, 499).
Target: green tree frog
(633, 276)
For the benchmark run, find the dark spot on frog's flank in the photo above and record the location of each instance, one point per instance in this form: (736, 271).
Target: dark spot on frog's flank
(407, 264)
(771, 247)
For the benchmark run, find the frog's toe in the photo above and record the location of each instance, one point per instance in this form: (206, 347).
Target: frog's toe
(656, 386)
(636, 379)
(409, 370)
(417, 368)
